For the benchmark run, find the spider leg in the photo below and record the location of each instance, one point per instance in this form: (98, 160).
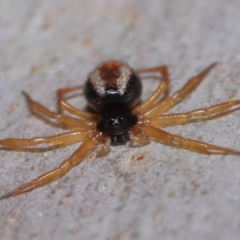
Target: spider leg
(63, 105)
(137, 137)
(105, 148)
(58, 172)
(57, 140)
(169, 102)
(164, 137)
(62, 91)
(82, 114)
(43, 112)
(146, 106)
(195, 115)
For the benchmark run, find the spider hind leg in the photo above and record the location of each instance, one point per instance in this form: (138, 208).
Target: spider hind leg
(197, 115)
(162, 87)
(43, 113)
(167, 103)
(63, 105)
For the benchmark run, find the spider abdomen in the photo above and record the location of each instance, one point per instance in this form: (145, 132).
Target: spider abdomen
(117, 126)
(113, 85)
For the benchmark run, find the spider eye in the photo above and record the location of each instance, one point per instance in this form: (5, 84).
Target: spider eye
(113, 85)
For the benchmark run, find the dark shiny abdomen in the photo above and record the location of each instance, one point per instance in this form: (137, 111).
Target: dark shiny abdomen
(112, 98)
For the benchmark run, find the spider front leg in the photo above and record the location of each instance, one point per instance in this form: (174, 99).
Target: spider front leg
(169, 102)
(164, 137)
(136, 135)
(104, 150)
(195, 115)
(79, 155)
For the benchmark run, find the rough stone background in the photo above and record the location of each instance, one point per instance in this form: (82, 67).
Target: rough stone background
(171, 193)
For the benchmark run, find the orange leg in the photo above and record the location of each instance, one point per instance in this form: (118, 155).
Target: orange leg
(50, 176)
(162, 87)
(63, 91)
(82, 114)
(195, 115)
(60, 139)
(138, 140)
(164, 137)
(105, 148)
(63, 105)
(169, 102)
(68, 121)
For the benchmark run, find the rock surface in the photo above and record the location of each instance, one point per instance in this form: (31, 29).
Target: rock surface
(153, 192)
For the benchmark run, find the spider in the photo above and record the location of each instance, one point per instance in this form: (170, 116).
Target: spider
(113, 90)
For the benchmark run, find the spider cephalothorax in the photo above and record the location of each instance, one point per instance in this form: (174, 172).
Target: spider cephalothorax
(113, 92)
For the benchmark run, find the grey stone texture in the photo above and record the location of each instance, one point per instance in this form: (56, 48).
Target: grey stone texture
(171, 193)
